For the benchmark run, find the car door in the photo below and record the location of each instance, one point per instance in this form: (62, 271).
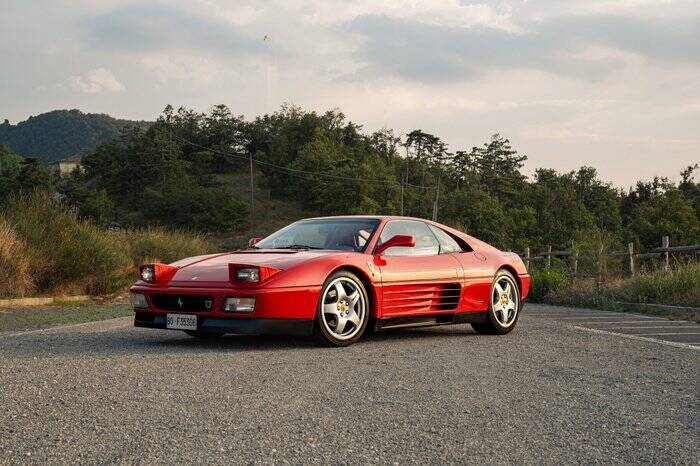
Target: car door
(477, 273)
(417, 280)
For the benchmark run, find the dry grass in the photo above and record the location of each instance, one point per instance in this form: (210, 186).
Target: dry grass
(15, 267)
(157, 244)
(45, 247)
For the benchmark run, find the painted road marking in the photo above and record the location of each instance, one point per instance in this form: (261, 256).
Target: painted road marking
(607, 314)
(618, 324)
(603, 317)
(641, 338)
(645, 327)
(634, 322)
(61, 327)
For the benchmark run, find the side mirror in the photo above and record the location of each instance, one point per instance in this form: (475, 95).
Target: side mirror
(253, 241)
(397, 241)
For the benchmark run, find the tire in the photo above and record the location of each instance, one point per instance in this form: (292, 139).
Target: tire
(203, 335)
(343, 303)
(504, 306)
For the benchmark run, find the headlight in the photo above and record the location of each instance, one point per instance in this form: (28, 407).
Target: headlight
(244, 305)
(248, 274)
(148, 273)
(138, 300)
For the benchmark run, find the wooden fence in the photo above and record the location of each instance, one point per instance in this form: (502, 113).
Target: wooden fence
(662, 252)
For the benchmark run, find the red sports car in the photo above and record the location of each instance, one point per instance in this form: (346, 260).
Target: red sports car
(334, 277)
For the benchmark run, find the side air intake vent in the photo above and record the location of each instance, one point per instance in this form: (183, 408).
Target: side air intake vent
(449, 297)
(422, 298)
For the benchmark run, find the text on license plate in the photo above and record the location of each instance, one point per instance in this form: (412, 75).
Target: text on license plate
(181, 322)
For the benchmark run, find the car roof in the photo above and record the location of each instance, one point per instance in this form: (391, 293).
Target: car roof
(373, 217)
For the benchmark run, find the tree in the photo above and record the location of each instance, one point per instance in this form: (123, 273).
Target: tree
(498, 166)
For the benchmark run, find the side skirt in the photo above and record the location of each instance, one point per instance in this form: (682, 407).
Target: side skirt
(430, 320)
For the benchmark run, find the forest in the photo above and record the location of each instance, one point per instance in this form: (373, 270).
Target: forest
(180, 172)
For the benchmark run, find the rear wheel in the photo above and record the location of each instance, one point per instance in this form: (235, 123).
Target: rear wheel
(504, 305)
(343, 310)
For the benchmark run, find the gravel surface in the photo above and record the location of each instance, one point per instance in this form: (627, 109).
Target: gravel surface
(105, 392)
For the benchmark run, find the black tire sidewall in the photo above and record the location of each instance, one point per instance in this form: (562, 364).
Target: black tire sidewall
(322, 335)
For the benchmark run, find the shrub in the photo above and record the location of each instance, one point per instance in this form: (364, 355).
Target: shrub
(63, 251)
(15, 267)
(680, 287)
(545, 282)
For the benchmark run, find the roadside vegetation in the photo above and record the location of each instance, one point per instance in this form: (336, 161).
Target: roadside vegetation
(678, 287)
(45, 248)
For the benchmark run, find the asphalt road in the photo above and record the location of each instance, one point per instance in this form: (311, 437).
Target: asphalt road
(552, 392)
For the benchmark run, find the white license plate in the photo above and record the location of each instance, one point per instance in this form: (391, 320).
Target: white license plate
(181, 322)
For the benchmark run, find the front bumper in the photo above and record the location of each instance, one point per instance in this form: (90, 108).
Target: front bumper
(297, 327)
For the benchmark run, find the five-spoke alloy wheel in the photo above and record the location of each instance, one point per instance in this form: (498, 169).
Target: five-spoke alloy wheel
(504, 305)
(343, 310)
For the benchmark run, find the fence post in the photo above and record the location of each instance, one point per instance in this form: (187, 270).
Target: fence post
(527, 258)
(665, 244)
(630, 248)
(549, 256)
(574, 252)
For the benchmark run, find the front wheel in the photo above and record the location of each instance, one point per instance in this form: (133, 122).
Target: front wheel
(504, 305)
(343, 310)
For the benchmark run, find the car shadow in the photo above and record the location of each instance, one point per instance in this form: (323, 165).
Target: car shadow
(125, 341)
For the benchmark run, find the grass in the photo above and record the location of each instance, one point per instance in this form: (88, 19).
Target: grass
(67, 313)
(15, 267)
(46, 249)
(679, 287)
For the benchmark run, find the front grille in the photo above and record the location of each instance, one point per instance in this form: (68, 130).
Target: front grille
(185, 303)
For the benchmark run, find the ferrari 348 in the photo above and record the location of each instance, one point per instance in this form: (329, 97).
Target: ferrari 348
(335, 278)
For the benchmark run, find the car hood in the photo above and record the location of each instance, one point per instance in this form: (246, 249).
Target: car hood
(214, 267)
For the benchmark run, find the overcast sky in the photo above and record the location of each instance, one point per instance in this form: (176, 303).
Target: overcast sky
(610, 83)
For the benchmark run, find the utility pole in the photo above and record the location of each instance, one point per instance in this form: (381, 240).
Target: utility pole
(437, 195)
(252, 194)
(402, 188)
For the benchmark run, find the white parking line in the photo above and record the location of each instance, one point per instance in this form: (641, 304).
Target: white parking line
(60, 327)
(644, 327)
(640, 338)
(575, 314)
(609, 317)
(680, 333)
(631, 322)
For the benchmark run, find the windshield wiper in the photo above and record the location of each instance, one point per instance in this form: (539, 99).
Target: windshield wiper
(298, 246)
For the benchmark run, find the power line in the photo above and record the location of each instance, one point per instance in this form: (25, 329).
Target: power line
(295, 170)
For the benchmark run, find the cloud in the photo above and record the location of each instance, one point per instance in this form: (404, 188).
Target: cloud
(452, 13)
(582, 47)
(192, 70)
(157, 27)
(97, 80)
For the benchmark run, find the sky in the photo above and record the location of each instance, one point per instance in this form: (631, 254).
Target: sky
(613, 84)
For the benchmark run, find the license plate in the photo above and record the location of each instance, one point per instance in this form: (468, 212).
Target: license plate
(181, 322)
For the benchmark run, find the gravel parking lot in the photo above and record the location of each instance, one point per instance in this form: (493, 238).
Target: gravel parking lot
(552, 392)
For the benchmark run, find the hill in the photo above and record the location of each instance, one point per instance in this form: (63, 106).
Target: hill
(58, 134)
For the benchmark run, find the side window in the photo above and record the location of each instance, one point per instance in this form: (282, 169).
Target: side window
(447, 242)
(426, 243)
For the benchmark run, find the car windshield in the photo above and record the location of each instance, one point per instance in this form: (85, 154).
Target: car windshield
(350, 234)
